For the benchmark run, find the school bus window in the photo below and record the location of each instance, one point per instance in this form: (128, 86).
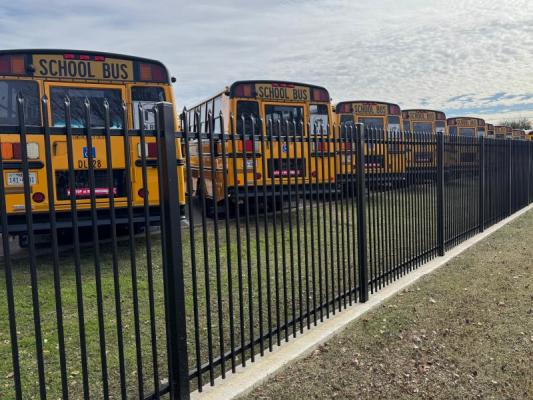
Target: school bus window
(217, 107)
(247, 109)
(148, 96)
(373, 127)
(422, 127)
(453, 130)
(147, 93)
(208, 111)
(203, 126)
(77, 98)
(8, 102)
(440, 126)
(347, 119)
(292, 117)
(469, 132)
(406, 126)
(394, 124)
(318, 118)
(481, 131)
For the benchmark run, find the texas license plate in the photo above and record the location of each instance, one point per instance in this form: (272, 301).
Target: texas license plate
(16, 178)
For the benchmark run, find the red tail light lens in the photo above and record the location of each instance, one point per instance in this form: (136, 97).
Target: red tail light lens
(141, 192)
(394, 109)
(152, 73)
(243, 91)
(152, 150)
(248, 145)
(69, 56)
(99, 58)
(313, 174)
(320, 95)
(38, 197)
(85, 58)
(12, 65)
(17, 151)
(345, 108)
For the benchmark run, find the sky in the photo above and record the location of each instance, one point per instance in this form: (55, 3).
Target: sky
(464, 57)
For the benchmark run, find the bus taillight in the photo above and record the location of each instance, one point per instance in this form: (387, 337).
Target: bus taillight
(150, 150)
(320, 95)
(13, 151)
(394, 109)
(243, 91)
(12, 65)
(152, 73)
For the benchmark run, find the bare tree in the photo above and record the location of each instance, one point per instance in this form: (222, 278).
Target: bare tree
(517, 123)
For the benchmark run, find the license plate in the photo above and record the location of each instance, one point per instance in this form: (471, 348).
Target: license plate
(16, 178)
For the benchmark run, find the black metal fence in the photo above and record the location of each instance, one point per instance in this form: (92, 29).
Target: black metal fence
(282, 230)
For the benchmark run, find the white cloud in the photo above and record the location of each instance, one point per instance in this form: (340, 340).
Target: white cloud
(414, 52)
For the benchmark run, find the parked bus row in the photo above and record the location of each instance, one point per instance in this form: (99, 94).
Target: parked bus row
(81, 124)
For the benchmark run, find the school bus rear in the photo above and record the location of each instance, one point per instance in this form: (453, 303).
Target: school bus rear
(384, 153)
(420, 127)
(51, 82)
(278, 141)
(467, 154)
(501, 132)
(519, 134)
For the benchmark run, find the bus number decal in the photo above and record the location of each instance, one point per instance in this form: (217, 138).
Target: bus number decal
(84, 164)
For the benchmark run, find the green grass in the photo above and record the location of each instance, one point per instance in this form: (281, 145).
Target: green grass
(335, 273)
(465, 331)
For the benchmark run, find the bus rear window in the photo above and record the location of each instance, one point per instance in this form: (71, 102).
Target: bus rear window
(8, 102)
(77, 98)
(147, 96)
(440, 126)
(290, 117)
(318, 119)
(245, 111)
(422, 127)
(469, 132)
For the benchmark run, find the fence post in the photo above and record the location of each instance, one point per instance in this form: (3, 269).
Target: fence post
(440, 194)
(361, 217)
(173, 257)
(510, 177)
(529, 174)
(481, 183)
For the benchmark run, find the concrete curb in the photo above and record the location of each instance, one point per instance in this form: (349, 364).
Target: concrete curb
(244, 380)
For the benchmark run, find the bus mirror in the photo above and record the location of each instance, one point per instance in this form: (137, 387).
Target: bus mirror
(173, 79)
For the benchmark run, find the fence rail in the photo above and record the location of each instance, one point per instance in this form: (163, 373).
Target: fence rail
(128, 297)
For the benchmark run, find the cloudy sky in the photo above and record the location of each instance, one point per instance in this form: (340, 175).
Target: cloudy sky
(461, 56)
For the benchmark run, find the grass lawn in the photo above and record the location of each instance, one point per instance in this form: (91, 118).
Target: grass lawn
(465, 331)
(328, 270)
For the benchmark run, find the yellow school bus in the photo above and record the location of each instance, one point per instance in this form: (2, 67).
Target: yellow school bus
(269, 126)
(467, 152)
(384, 158)
(490, 131)
(501, 132)
(79, 75)
(518, 134)
(418, 124)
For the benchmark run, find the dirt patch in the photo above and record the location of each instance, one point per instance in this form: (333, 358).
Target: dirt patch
(465, 331)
